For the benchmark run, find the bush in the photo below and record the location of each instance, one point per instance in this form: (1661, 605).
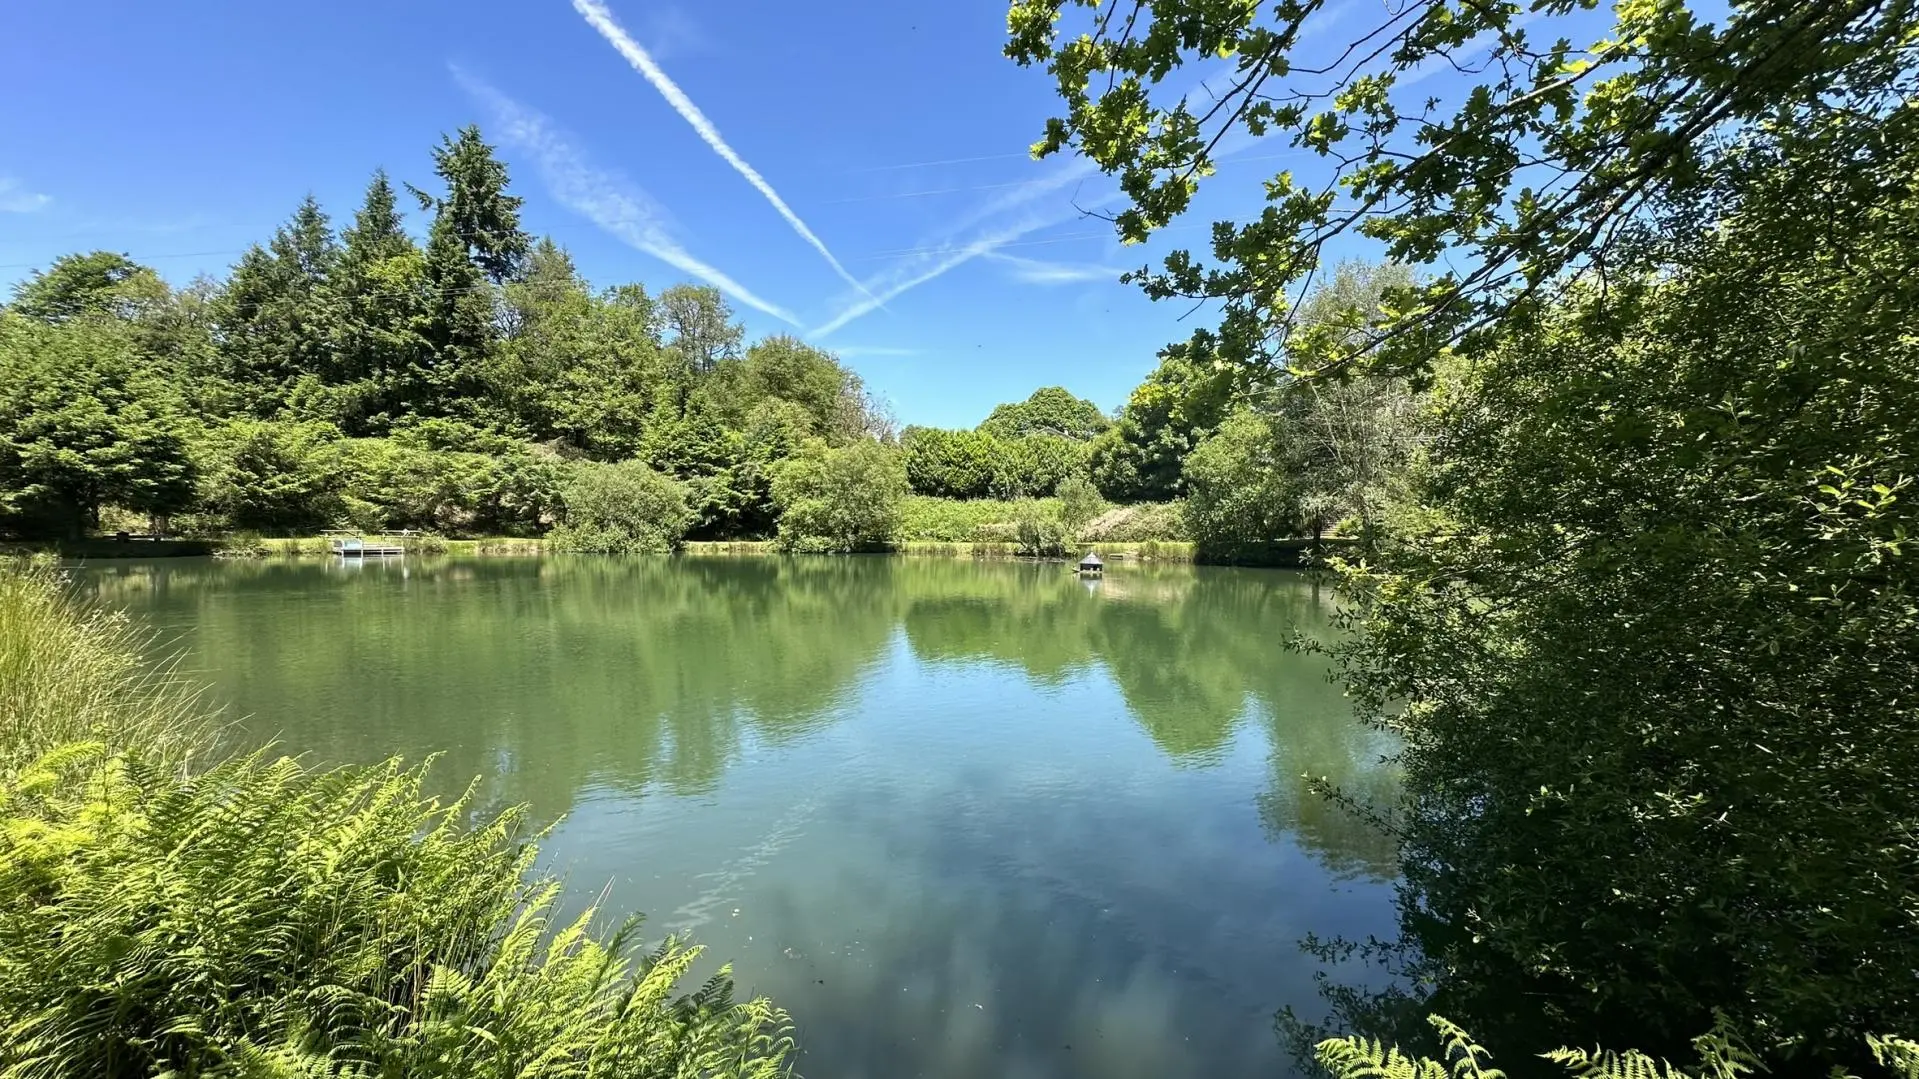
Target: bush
(1038, 531)
(974, 464)
(1241, 493)
(621, 509)
(405, 483)
(950, 464)
(268, 476)
(1079, 503)
(840, 500)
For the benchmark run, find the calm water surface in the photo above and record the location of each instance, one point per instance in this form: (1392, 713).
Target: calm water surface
(961, 819)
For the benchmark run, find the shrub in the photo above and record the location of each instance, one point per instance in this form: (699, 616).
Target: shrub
(270, 476)
(840, 500)
(1038, 531)
(1079, 503)
(394, 483)
(974, 464)
(626, 508)
(950, 464)
(1242, 493)
(952, 520)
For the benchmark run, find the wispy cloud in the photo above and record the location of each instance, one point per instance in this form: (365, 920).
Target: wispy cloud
(952, 253)
(918, 271)
(855, 351)
(1041, 272)
(604, 198)
(671, 32)
(15, 199)
(601, 19)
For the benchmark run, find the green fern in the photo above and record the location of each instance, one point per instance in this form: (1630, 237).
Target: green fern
(1722, 1055)
(262, 919)
(1896, 1055)
(1359, 1058)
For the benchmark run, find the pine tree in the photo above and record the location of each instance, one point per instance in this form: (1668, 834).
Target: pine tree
(475, 244)
(459, 326)
(382, 354)
(481, 215)
(376, 233)
(276, 317)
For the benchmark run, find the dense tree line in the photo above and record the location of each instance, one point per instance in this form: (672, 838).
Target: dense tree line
(474, 382)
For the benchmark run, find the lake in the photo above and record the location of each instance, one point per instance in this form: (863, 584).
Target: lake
(961, 819)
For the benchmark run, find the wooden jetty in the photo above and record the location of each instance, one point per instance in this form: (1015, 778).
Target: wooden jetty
(350, 544)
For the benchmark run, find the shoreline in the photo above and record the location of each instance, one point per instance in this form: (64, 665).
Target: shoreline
(1283, 554)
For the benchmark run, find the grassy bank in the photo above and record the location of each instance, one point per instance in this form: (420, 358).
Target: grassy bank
(166, 911)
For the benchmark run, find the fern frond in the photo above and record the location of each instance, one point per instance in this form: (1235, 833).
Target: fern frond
(1360, 1058)
(1607, 1064)
(1897, 1055)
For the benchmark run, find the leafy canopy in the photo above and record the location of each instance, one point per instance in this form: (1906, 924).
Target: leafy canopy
(1562, 141)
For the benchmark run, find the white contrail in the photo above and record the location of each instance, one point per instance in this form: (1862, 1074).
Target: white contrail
(597, 16)
(948, 257)
(1042, 272)
(849, 352)
(951, 258)
(601, 197)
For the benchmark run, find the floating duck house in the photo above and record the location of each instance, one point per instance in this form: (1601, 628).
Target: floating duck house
(1091, 566)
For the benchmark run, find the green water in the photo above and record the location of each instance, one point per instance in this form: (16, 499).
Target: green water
(962, 819)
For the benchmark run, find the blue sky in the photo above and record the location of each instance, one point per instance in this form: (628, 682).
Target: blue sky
(814, 159)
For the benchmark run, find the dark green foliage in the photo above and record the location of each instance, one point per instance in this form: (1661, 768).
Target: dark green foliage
(275, 320)
(1653, 657)
(625, 508)
(84, 424)
(406, 483)
(99, 283)
(1051, 410)
(381, 355)
(478, 216)
(950, 464)
(974, 464)
(1141, 457)
(840, 500)
(266, 476)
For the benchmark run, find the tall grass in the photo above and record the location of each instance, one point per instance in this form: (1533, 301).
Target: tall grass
(70, 672)
(260, 918)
